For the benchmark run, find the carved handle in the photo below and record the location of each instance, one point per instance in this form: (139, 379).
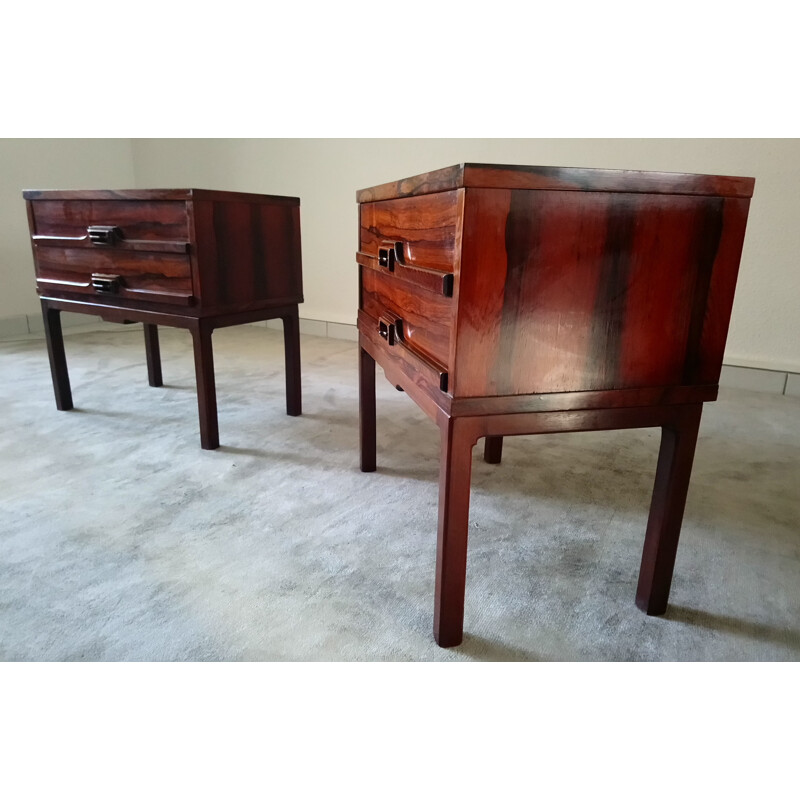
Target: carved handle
(106, 284)
(391, 329)
(399, 254)
(104, 234)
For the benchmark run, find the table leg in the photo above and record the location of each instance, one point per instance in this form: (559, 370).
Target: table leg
(366, 411)
(206, 389)
(666, 512)
(291, 344)
(153, 353)
(455, 471)
(493, 449)
(57, 356)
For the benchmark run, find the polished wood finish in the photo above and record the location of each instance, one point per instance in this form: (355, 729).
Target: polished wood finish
(516, 300)
(153, 354)
(186, 258)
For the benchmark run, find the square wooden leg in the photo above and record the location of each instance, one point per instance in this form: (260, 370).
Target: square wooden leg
(58, 359)
(455, 472)
(206, 388)
(493, 449)
(674, 469)
(291, 344)
(153, 354)
(366, 415)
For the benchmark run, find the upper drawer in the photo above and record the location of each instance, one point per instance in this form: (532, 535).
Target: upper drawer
(148, 225)
(421, 232)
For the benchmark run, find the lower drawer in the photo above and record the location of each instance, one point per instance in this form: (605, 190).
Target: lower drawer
(424, 319)
(149, 277)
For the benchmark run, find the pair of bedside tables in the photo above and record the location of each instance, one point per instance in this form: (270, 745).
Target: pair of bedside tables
(504, 300)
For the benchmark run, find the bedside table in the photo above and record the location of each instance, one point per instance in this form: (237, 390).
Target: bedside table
(186, 258)
(510, 300)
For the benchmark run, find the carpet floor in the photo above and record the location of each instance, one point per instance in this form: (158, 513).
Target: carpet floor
(122, 540)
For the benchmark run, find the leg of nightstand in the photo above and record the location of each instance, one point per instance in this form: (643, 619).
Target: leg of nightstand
(206, 389)
(493, 449)
(366, 409)
(153, 354)
(455, 469)
(666, 511)
(291, 344)
(58, 358)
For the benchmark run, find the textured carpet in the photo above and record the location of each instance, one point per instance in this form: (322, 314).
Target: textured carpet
(122, 540)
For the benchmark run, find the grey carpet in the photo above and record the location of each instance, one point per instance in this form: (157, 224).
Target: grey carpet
(122, 540)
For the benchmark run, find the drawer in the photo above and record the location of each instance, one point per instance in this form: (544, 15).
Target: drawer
(114, 273)
(422, 233)
(422, 319)
(140, 225)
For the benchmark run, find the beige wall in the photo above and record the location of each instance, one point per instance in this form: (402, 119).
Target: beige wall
(47, 164)
(325, 174)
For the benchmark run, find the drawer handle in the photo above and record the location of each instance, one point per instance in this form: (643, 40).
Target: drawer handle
(391, 330)
(386, 258)
(106, 284)
(399, 254)
(104, 234)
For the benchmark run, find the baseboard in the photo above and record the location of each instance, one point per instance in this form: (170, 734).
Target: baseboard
(734, 376)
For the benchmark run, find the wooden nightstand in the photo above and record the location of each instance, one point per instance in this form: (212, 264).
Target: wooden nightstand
(187, 258)
(513, 300)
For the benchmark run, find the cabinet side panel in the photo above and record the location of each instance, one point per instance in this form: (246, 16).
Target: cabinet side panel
(248, 253)
(586, 291)
(706, 351)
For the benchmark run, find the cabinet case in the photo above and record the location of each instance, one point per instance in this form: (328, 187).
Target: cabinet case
(517, 299)
(190, 258)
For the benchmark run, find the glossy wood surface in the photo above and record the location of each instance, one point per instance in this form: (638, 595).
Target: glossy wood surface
(429, 228)
(193, 259)
(427, 317)
(582, 291)
(149, 220)
(508, 176)
(582, 300)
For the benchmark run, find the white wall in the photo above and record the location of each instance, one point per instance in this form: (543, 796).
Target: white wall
(47, 164)
(325, 174)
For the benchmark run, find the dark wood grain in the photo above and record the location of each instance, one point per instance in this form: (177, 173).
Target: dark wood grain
(673, 472)
(581, 300)
(186, 258)
(148, 220)
(152, 354)
(206, 386)
(586, 291)
(427, 317)
(156, 195)
(291, 346)
(508, 176)
(366, 405)
(429, 228)
(493, 449)
(58, 359)
(451, 548)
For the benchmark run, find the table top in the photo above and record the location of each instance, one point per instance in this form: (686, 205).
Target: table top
(506, 176)
(156, 194)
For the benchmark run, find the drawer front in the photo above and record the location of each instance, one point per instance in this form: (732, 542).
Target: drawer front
(144, 221)
(147, 277)
(128, 249)
(422, 319)
(421, 233)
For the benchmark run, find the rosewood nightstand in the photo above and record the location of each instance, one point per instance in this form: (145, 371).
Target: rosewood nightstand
(512, 300)
(186, 258)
